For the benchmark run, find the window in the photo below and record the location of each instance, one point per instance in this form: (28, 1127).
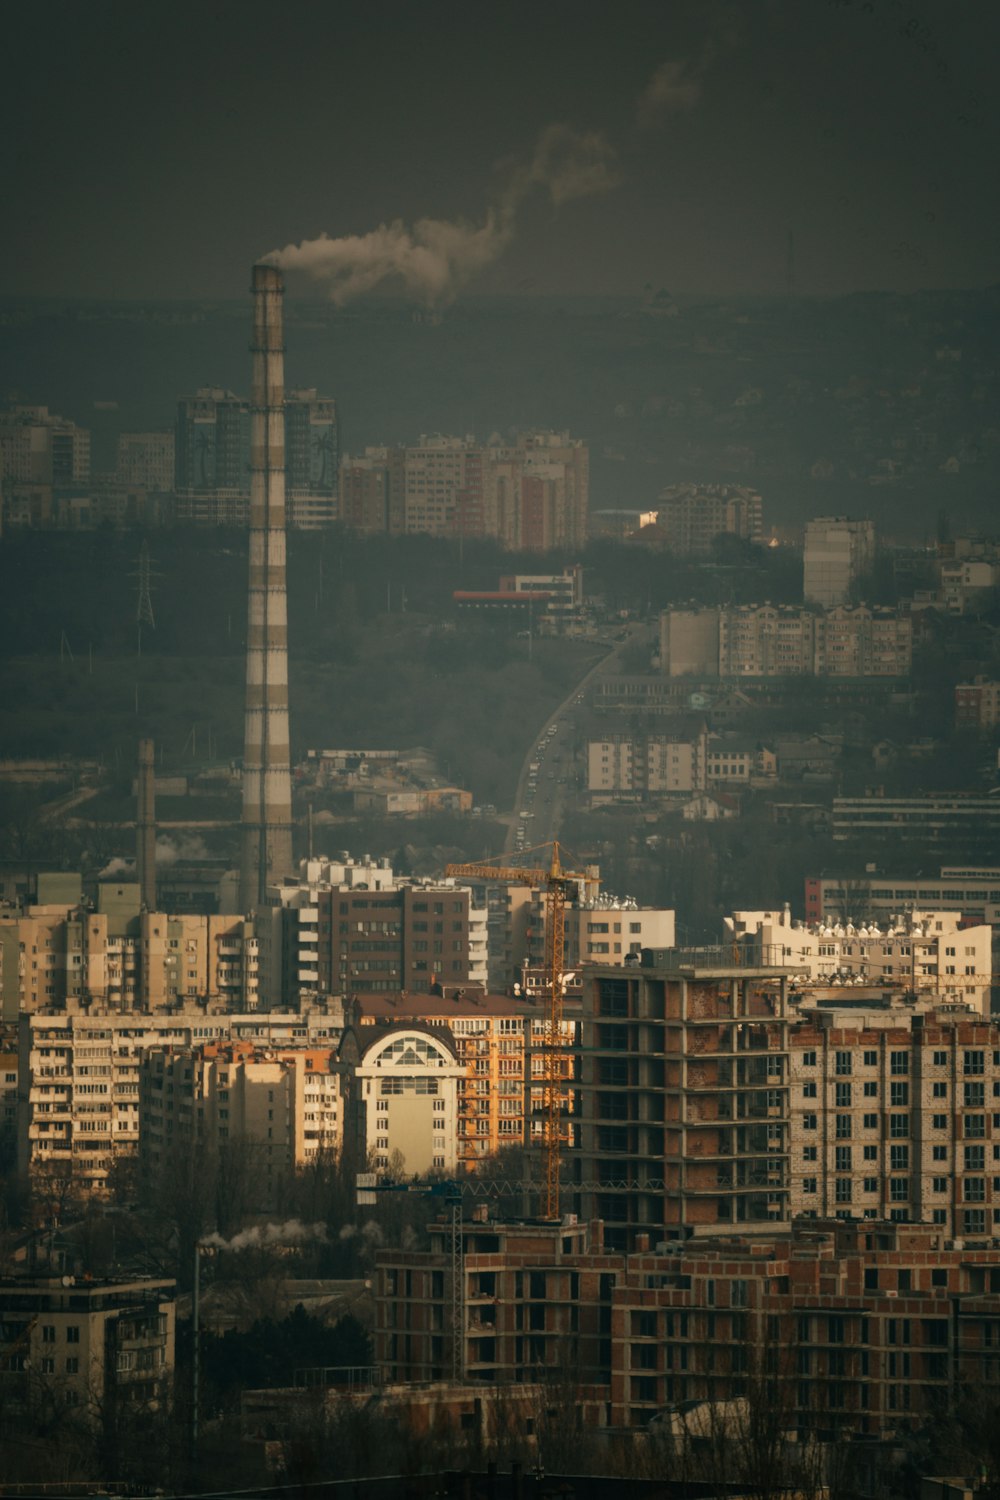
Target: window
(899, 1125)
(809, 1090)
(939, 1091)
(871, 1153)
(940, 1059)
(973, 1061)
(939, 1153)
(73, 1365)
(974, 1095)
(975, 1190)
(899, 1062)
(809, 1153)
(975, 1158)
(871, 1089)
(842, 1063)
(842, 1092)
(871, 1184)
(870, 1059)
(808, 1184)
(899, 1095)
(808, 1059)
(939, 1122)
(843, 1130)
(870, 1122)
(899, 1189)
(808, 1122)
(73, 1333)
(975, 1127)
(899, 1158)
(939, 1184)
(843, 1190)
(842, 1158)
(48, 1333)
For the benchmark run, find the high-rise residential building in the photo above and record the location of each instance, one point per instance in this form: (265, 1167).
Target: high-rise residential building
(283, 1105)
(402, 1084)
(78, 1071)
(683, 1090)
(39, 448)
(691, 516)
(312, 454)
(892, 1117)
(212, 442)
(341, 934)
(530, 494)
(146, 460)
(838, 552)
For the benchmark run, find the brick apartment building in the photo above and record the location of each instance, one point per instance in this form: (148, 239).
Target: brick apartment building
(839, 1327)
(683, 1097)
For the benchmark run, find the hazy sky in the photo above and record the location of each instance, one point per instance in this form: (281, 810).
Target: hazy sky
(157, 149)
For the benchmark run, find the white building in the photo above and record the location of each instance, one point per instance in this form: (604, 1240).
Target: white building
(607, 930)
(838, 550)
(929, 953)
(405, 1091)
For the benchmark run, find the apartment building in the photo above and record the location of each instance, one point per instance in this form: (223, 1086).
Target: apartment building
(284, 1105)
(838, 552)
(89, 1342)
(973, 891)
(894, 1116)
(629, 766)
(78, 1076)
(832, 1329)
(607, 930)
(933, 955)
(691, 516)
(145, 461)
(122, 957)
(766, 640)
(406, 1087)
(38, 448)
(531, 494)
(977, 704)
(346, 927)
(962, 820)
(683, 1090)
(498, 1044)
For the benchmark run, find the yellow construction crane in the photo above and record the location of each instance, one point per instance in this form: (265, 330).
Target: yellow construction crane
(557, 884)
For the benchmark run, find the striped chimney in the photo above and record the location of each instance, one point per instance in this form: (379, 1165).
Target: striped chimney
(267, 794)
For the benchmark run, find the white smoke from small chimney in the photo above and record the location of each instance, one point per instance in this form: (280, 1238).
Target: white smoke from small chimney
(116, 866)
(292, 1232)
(435, 258)
(187, 846)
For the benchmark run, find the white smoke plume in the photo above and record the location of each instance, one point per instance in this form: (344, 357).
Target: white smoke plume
(292, 1232)
(676, 85)
(435, 258)
(188, 846)
(116, 866)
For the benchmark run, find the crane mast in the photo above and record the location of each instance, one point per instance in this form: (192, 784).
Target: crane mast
(556, 883)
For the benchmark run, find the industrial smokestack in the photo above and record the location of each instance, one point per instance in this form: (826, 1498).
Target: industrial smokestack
(267, 795)
(145, 826)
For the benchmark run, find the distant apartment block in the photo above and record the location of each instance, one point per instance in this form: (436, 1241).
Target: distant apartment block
(39, 448)
(691, 516)
(405, 1088)
(333, 933)
(532, 494)
(977, 704)
(145, 460)
(637, 767)
(544, 601)
(749, 641)
(838, 552)
(963, 820)
(972, 891)
(79, 1076)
